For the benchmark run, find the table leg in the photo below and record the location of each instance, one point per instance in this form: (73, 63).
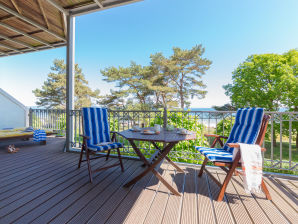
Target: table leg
(151, 167)
(168, 159)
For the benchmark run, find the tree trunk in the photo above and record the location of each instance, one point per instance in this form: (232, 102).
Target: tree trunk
(181, 100)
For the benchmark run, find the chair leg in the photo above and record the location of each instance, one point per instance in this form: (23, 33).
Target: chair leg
(89, 166)
(266, 191)
(81, 156)
(120, 160)
(227, 180)
(203, 167)
(108, 155)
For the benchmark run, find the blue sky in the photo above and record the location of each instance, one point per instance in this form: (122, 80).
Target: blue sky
(229, 30)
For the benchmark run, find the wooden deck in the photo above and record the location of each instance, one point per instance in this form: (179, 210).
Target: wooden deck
(40, 184)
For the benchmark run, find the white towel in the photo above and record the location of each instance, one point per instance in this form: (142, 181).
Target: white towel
(251, 160)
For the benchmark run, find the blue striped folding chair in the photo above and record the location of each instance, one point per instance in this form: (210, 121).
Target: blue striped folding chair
(250, 128)
(96, 138)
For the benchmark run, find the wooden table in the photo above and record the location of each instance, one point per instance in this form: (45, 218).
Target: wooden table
(170, 138)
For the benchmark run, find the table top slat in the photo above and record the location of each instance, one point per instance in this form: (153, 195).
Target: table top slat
(163, 136)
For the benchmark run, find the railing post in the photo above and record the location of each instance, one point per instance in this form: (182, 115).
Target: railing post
(165, 117)
(30, 117)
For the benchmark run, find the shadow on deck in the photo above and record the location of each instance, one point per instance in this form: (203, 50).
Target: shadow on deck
(41, 184)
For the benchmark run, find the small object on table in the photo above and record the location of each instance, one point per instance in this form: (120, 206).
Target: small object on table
(182, 131)
(136, 128)
(148, 132)
(170, 127)
(157, 128)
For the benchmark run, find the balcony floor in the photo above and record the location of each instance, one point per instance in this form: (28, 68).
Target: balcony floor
(40, 184)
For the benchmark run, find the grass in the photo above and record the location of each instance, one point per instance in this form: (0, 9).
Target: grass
(285, 151)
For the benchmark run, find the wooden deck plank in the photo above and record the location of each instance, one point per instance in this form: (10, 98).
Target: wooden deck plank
(235, 202)
(28, 194)
(222, 212)
(72, 210)
(114, 201)
(16, 174)
(71, 200)
(189, 204)
(157, 209)
(37, 198)
(251, 205)
(141, 207)
(97, 202)
(35, 178)
(49, 188)
(272, 212)
(287, 188)
(83, 182)
(45, 187)
(174, 205)
(206, 213)
(122, 211)
(282, 202)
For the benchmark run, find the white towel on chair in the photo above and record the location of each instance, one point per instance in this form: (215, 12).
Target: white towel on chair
(252, 162)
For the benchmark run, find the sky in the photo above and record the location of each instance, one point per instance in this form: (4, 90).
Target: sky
(229, 30)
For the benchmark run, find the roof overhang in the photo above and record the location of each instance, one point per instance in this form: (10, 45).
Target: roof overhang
(35, 25)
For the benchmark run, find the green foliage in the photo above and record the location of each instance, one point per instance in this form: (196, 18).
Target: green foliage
(185, 148)
(53, 92)
(269, 81)
(266, 80)
(224, 127)
(164, 83)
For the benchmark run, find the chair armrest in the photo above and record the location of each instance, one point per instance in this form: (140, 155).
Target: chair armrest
(113, 132)
(215, 136)
(85, 137)
(236, 145)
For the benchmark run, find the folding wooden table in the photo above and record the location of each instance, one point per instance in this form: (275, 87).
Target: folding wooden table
(169, 138)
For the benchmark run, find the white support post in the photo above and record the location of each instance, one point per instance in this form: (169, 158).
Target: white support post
(70, 73)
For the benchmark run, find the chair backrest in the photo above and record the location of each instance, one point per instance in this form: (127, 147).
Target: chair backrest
(96, 125)
(248, 122)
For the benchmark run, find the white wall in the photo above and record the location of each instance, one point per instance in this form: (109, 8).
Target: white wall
(12, 113)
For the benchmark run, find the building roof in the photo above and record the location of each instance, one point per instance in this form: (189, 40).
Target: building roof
(34, 25)
(12, 99)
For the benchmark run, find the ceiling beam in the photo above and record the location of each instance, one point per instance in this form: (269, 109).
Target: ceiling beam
(3, 53)
(10, 48)
(17, 42)
(43, 13)
(28, 50)
(25, 34)
(16, 6)
(94, 7)
(57, 6)
(64, 23)
(16, 14)
(98, 3)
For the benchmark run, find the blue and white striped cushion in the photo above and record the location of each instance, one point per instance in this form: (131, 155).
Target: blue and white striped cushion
(246, 127)
(39, 135)
(96, 126)
(113, 145)
(245, 130)
(214, 154)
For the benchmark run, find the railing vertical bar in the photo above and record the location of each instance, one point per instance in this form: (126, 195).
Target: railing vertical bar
(280, 139)
(290, 141)
(272, 138)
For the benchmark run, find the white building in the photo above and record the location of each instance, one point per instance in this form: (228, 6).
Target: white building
(13, 114)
